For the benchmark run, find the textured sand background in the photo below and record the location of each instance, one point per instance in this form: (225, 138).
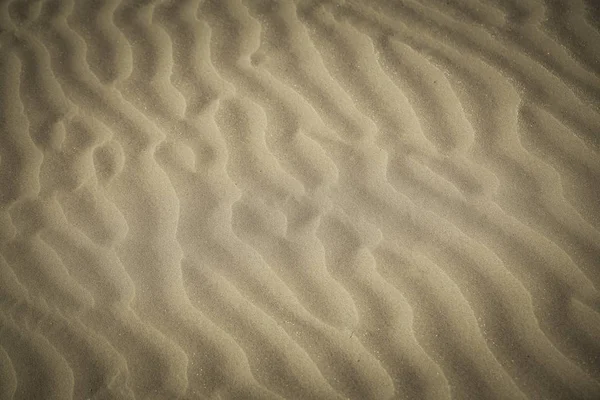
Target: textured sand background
(263, 199)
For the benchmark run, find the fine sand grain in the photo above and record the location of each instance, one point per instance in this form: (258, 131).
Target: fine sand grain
(266, 199)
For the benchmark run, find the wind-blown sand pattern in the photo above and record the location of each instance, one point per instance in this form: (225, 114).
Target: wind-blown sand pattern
(257, 199)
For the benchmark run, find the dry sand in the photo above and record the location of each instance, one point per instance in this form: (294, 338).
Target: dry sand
(261, 199)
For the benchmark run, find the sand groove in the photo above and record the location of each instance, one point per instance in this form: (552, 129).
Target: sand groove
(299, 199)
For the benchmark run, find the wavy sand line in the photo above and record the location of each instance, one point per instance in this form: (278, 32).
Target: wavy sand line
(250, 199)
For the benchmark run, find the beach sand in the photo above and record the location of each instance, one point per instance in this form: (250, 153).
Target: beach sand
(264, 199)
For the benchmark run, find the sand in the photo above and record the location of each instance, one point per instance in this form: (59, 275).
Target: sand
(264, 199)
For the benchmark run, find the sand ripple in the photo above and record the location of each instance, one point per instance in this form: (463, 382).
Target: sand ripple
(313, 199)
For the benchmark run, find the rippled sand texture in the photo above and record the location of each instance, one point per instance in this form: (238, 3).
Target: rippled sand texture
(255, 199)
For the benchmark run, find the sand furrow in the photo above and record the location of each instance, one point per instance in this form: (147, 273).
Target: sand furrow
(94, 21)
(9, 376)
(41, 370)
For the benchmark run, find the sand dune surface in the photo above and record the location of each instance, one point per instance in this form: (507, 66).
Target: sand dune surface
(268, 199)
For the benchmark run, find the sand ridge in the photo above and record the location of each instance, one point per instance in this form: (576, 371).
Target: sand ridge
(299, 199)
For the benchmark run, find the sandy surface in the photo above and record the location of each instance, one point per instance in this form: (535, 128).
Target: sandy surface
(264, 199)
